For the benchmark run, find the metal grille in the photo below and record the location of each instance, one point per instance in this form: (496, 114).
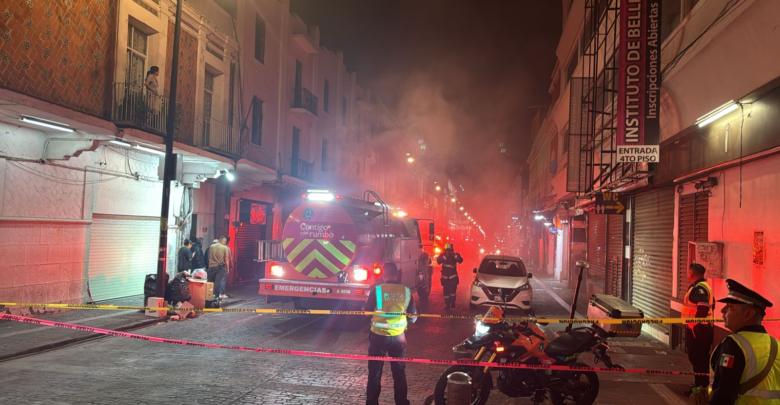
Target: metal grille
(247, 268)
(692, 227)
(593, 161)
(597, 249)
(615, 255)
(652, 257)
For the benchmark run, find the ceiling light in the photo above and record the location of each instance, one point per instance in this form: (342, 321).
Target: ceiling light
(150, 150)
(717, 113)
(121, 143)
(47, 124)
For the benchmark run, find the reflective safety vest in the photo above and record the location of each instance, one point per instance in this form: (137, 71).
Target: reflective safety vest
(689, 308)
(390, 298)
(755, 347)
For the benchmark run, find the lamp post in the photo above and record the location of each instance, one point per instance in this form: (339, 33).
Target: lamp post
(170, 162)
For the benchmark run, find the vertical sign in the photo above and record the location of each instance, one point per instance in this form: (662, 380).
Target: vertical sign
(639, 81)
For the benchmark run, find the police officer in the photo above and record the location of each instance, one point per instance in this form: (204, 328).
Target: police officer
(745, 365)
(699, 302)
(387, 334)
(449, 274)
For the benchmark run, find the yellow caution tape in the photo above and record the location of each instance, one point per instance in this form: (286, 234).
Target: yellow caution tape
(633, 321)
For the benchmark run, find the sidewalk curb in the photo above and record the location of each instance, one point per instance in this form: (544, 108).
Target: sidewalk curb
(80, 339)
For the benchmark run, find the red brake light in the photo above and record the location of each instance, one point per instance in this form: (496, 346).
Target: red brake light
(269, 286)
(359, 292)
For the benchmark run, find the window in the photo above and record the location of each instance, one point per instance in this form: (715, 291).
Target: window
(259, 39)
(231, 92)
(257, 121)
(324, 155)
(208, 92)
(326, 96)
(137, 42)
(344, 111)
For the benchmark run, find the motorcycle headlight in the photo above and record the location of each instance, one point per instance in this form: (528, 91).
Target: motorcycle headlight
(481, 329)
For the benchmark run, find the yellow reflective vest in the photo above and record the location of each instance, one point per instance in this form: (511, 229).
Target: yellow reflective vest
(755, 347)
(390, 298)
(689, 308)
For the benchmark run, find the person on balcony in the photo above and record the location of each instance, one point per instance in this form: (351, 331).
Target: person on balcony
(151, 80)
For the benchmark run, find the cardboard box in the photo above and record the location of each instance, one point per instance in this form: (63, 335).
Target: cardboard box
(201, 291)
(156, 302)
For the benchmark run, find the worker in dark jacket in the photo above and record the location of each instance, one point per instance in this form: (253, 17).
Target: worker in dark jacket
(745, 365)
(387, 334)
(198, 260)
(449, 274)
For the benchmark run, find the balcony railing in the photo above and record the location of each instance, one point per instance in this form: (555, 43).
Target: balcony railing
(216, 136)
(302, 169)
(134, 106)
(306, 100)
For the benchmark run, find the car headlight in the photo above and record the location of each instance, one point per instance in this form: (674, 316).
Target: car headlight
(481, 329)
(524, 287)
(478, 283)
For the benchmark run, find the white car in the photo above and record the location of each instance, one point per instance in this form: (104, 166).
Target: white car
(502, 280)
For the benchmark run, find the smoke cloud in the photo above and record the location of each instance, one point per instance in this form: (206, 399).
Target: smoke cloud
(459, 74)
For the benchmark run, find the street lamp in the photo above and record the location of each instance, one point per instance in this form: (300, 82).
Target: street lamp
(453, 199)
(438, 188)
(461, 208)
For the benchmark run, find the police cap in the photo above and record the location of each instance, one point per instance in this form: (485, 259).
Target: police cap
(739, 294)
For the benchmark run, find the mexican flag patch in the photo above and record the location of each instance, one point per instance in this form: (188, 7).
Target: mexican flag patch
(726, 360)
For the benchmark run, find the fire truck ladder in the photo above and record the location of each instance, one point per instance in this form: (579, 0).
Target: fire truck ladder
(385, 214)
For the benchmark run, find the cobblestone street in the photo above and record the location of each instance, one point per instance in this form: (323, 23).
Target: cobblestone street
(125, 371)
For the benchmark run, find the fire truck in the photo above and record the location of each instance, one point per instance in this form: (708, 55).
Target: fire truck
(334, 249)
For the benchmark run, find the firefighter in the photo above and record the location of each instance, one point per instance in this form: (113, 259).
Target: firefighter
(449, 274)
(699, 302)
(387, 334)
(745, 365)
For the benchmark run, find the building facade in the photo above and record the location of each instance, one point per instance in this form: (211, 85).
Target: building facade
(710, 186)
(82, 134)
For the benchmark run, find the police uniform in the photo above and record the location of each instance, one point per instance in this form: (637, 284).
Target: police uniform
(699, 302)
(449, 275)
(739, 360)
(387, 338)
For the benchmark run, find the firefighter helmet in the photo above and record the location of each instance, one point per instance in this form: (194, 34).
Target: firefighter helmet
(448, 246)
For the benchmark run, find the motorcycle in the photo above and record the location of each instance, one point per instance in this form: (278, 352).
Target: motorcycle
(497, 341)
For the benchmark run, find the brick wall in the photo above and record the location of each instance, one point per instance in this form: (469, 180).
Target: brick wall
(187, 79)
(59, 51)
(44, 263)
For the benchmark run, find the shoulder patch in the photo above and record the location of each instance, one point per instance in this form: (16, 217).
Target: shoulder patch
(702, 291)
(726, 360)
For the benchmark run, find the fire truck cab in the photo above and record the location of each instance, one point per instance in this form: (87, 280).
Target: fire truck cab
(334, 249)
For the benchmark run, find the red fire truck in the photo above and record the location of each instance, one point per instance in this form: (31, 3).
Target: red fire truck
(335, 248)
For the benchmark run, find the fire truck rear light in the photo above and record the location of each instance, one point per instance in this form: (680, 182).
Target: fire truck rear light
(359, 292)
(277, 270)
(269, 286)
(377, 270)
(360, 274)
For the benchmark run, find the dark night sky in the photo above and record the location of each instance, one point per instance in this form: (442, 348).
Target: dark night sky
(463, 71)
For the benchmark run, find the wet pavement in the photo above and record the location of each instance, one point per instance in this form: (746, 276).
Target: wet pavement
(127, 371)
